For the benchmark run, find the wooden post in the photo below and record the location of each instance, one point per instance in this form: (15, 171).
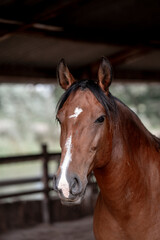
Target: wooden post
(46, 202)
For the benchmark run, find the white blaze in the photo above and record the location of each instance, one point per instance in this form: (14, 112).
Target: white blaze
(63, 183)
(77, 111)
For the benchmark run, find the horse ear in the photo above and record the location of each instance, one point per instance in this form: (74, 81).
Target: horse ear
(105, 75)
(64, 76)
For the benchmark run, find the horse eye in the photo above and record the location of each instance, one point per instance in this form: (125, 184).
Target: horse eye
(100, 119)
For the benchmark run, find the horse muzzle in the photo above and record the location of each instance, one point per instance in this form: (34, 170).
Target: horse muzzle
(71, 192)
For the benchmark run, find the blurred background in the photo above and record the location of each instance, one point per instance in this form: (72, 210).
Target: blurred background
(34, 36)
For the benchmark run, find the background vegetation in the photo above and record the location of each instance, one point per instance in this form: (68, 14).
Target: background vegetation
(27, 114)
(27, 118)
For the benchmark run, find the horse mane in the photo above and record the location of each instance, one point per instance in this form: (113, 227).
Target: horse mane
(108, 102)
(157, 141)
(137, 120)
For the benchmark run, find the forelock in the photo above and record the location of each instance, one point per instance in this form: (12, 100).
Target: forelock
(107, 102)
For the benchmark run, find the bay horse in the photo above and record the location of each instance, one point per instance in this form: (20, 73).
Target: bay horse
(99, 133)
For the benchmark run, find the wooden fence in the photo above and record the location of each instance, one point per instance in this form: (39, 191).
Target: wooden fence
(45, 157)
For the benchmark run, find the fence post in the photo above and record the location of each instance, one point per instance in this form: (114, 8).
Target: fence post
(46, 202)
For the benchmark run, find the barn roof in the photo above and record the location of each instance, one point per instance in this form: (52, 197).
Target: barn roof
(36, 34)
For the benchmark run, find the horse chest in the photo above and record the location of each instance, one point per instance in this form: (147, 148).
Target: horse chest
(105, 226)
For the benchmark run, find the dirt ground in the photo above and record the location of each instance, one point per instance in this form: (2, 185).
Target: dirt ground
(73, 230)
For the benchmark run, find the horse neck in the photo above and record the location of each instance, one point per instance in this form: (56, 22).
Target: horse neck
(132, 167)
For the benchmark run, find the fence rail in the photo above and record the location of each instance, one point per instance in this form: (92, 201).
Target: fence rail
(45, 157)
(18, 181)
(25, 158)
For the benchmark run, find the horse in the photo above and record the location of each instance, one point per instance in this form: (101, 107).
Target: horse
(100, 133)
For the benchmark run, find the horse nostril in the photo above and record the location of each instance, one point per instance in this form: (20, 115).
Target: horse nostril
(76, 186)
(55, 183)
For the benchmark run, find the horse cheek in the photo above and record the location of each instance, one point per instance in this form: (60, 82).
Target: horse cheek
(103, 154)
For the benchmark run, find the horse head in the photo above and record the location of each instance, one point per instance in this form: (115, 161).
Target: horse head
(84, 113)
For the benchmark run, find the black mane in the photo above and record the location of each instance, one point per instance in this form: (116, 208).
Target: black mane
(107, 102)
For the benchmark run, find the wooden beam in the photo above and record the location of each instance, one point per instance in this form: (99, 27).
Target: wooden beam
(35, 22)
(40, 26)
(136, 76)
(31, 74)
(27, 71)
(126, 55)
(27, 74)
(119, 76)
(11, 27)
(26, 80)
(14, 27)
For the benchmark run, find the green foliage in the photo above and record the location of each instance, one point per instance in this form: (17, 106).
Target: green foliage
(27, 118)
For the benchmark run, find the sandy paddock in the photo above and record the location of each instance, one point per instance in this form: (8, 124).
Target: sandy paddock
(73, 230)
